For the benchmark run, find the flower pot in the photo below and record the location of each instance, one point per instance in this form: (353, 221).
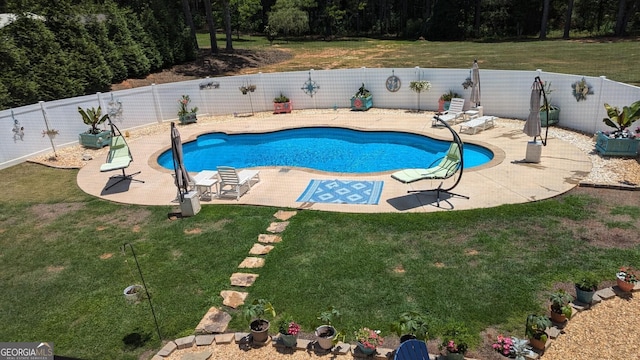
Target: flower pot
(557, 318)
(554, 117)
(188, 118)
(406, 337)
(585, 297)
(325, 335)
(537, 343)
(288, 340)
(133, 293)
(366, 350)
(440, 105)
(625, 286)
(361, 103)
(259, 330)
(454, 356)
(282, 108)
(616, 147)
(96, 141)
(446, 105)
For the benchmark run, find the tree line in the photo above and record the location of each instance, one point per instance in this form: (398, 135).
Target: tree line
(68, 48)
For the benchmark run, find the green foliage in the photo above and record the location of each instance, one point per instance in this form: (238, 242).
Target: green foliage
(449, 95)
(329, 316)
(93, 117)
(135, 60)
(587, 282)
(362, 92)
(414, 323)
(281, 99)
(621, 120)
(258, 309)
(459, 334)
(536, 325)
(288, 17)
(560, 300)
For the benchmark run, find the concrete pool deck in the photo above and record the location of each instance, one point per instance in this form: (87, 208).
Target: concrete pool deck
(505, 180)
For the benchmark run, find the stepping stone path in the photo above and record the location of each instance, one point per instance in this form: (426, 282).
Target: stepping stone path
(233, 299)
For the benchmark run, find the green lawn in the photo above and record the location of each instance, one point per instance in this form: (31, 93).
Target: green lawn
(62, 269)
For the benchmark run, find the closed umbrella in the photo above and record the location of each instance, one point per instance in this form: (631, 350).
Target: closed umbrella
(532, 126)
(181, 174)
(475, 79)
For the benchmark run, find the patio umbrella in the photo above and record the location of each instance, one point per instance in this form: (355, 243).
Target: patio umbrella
(475, 88)
(181, 174)
(532, 126)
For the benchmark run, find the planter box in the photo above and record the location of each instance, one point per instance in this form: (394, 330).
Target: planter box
(188, 119)
(361, 104)
(554, 117)
(96, 141)
(616, 147)
(282, 108)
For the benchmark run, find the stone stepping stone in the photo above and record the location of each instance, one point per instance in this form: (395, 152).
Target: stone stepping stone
(224, 338)
(278, 227)
(259, 249)
(204, 340)
(284, 215)
(243, 279)
(215, 321)
(269, 239)
(185, 342)
(232, 298)
(169, 348)
(251, 262)
(204, 355)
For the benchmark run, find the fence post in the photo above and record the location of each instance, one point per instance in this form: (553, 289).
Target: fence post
(156, 104)
(46, 124)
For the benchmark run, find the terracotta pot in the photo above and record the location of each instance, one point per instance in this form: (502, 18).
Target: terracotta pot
(557, 318)
(537, 343)
(625, 286)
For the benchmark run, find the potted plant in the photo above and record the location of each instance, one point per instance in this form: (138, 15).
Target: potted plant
(554, 111)
(519, 348)
(133, 293)
(418, 87)
(627, 278)
(186, 115)
(94, 137)
(622, 141)
(326, 334)
(281, 104)
(411, 325)
(535, 330)
(560, 308)
(586, 287)
(368, 340)
(254, 313)
(362, 100)
(445, 100)
(455, 341)
(288, 330)
(51, 133)
(248, 88)
(503, 345)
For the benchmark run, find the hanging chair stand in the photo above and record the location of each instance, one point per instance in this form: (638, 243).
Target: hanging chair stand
(439, 190)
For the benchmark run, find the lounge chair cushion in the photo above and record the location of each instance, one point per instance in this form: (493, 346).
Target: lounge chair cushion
(119, 156)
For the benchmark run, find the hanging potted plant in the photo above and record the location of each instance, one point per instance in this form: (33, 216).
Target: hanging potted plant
(186, 115)
(327, 335)
(368, 340)
(586, 287)
(254, 313)
(622, 141)
(411, 325)
(281, 105)
(535, 330)
(627, 278)
(94, 137)
(560, 308)
(288, 330)
(362, 100)
(554, 111)
(418, 87)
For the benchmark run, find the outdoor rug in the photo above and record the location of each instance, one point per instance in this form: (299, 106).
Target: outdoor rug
(342, 192)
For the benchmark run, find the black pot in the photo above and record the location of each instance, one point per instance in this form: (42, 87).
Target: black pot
(260, 330)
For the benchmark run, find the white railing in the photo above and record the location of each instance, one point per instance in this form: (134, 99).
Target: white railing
(504, 94)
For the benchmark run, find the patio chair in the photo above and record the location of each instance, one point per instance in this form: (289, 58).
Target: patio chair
(446, 168)
(412, 350)
(236, 183)
(478, 124)
(119, 158)
(454, 113)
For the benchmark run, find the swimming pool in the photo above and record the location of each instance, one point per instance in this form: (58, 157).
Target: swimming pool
(328, 149)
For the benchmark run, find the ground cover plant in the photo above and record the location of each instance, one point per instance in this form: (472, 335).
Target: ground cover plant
(63, 271)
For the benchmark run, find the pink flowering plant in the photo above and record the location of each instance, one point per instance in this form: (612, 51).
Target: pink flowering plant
(287, 327)
(370, 339)
(184, 102)
(628, 274)
(455, 339)
(503, 345)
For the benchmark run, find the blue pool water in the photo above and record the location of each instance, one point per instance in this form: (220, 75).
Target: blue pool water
(320, 148)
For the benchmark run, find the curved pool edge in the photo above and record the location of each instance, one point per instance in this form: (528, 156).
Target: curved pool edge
(507, 182)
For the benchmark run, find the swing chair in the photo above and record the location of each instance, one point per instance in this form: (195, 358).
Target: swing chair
(448, 166)
(119, 157)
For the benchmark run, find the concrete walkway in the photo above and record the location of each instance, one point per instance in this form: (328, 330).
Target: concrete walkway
(505, 180)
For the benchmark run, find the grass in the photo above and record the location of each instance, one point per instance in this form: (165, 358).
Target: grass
(63, 270)
(587, 56)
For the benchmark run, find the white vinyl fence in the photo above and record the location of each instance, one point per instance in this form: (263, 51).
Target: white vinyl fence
(503, 94)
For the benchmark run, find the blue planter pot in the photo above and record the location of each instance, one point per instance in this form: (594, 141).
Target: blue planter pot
(554, 117)
(616, 147)
(585, 297)
(188, 118)
(288, 340)
(96, 141)
(361, 104)
(365, 350)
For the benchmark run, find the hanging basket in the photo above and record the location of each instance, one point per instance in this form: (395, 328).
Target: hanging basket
(133, 293)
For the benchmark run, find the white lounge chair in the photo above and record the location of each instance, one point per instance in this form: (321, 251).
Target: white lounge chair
(236, 183)
(454, 113)
(478, 124)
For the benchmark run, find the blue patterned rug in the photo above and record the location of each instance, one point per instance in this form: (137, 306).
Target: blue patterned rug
(342, 192)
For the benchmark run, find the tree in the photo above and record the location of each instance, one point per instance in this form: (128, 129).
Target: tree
(135, 60)
(545, 19)
(289, 16)
(567, 19)
(188, 18)
(211, 25)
